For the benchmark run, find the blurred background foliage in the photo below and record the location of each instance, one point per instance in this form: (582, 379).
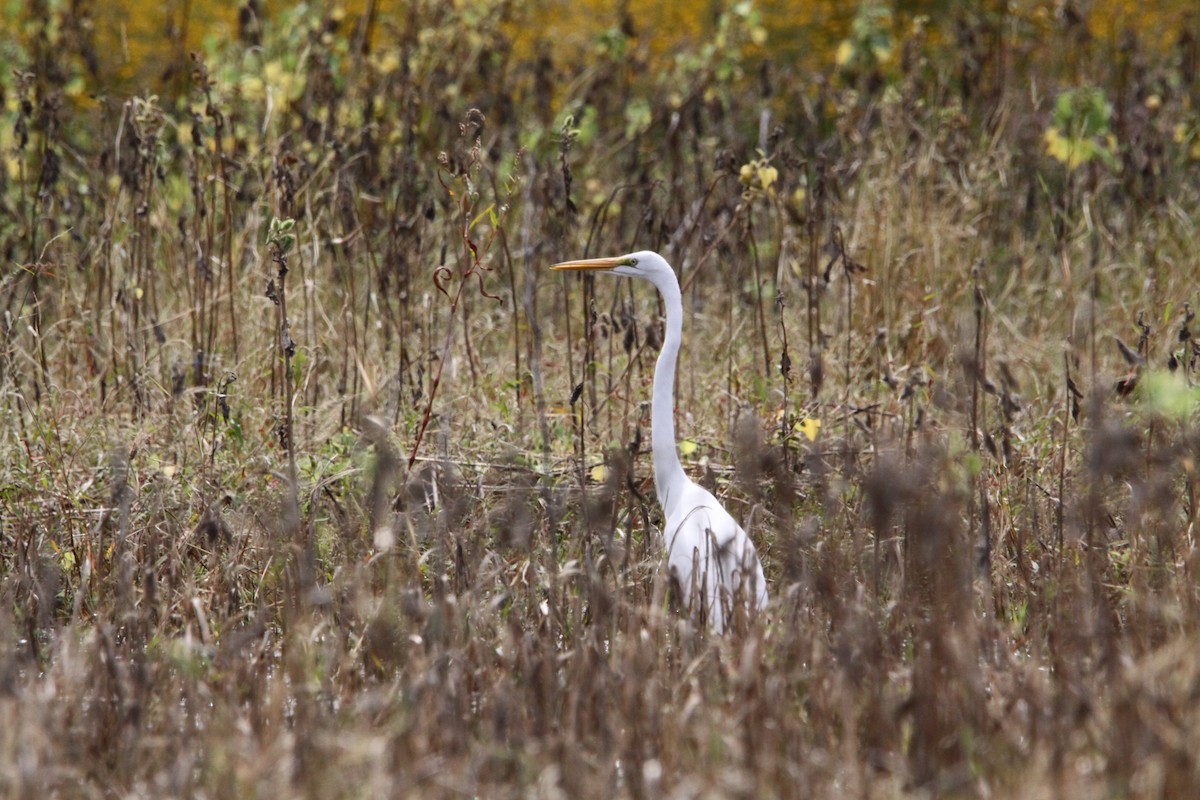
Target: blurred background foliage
(796, 67)
(122, 44)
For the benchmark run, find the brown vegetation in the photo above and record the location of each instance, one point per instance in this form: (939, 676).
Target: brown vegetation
(317, 483)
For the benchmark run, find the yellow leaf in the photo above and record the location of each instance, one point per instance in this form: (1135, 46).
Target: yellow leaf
(253, 87)
(599, 473)
(274, 73)
(687, 447)
(767, 176)
(809, 427)
(386, 63)
(845, 52)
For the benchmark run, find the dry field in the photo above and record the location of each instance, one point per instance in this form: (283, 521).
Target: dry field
(316, 482)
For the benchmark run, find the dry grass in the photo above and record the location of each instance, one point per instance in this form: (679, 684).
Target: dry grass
(315, 511)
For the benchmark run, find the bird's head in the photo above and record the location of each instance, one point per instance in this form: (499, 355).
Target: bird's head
(642, 264)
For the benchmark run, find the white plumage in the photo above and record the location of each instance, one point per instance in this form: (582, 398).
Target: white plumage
(711, 559)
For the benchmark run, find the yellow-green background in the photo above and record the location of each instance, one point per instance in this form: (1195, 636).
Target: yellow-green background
(133, 39)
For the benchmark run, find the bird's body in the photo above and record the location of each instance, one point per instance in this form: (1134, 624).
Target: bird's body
(711, 559)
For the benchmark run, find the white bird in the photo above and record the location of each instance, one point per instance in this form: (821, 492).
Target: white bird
(710, 557)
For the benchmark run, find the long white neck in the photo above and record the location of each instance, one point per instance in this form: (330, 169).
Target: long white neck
(668, 472)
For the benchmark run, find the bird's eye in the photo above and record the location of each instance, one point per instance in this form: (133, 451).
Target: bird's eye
(633, 262)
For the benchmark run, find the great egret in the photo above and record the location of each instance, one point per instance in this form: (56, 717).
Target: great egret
(709, 556)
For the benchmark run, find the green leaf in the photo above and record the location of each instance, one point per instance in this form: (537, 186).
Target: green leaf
(638, 117)
(1167, 395)
(487, 212)
(1080, 129)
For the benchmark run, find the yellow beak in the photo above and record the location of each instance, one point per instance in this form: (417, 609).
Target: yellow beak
(590, 263)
